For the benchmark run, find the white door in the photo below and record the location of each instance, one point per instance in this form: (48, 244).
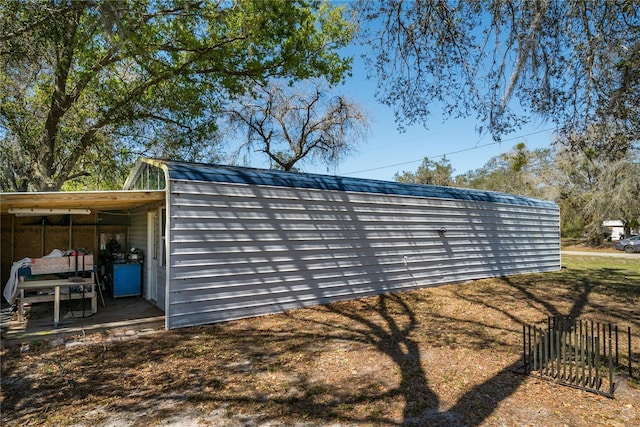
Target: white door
(152, 260)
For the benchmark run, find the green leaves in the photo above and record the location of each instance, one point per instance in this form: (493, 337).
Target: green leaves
(87, 79)
(504, 61)
(430, 173)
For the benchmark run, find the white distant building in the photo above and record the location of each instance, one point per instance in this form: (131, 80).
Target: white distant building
(615, 228)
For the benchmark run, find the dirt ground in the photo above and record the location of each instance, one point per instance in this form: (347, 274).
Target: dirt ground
(444, 356)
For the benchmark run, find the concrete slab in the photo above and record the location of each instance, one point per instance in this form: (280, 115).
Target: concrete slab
(127, 313)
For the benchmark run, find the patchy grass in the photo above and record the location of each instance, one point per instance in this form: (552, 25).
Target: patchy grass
(440, 356)
(580, 246)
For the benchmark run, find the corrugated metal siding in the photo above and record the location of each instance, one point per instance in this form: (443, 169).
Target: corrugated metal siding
(243, 250)
(138, 231)
(138, 238)
(161, 276)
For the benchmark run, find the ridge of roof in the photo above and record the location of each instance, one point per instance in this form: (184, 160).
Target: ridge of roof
(207, 172)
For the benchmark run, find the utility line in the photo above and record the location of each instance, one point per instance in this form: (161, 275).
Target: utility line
(450, 153)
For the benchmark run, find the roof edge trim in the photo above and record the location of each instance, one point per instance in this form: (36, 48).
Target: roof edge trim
(186, 171)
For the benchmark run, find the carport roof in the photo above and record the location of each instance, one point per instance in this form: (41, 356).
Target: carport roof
(94, 200)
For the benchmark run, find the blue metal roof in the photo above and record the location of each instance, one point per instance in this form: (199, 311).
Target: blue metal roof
(241, 175)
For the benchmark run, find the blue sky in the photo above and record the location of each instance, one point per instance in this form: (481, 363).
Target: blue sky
(387, 150)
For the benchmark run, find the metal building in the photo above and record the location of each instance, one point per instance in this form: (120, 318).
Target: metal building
(235, 242)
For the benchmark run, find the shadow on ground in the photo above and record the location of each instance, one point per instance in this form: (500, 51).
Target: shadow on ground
(369, 361)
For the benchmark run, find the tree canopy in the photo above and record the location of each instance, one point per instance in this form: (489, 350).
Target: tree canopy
(292, 125)
(430, 172)
(597, 184)
(518, 171)
(589, 184)
(571, 62)
(86, 84)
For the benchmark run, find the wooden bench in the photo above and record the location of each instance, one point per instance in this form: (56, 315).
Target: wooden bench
(50, 289)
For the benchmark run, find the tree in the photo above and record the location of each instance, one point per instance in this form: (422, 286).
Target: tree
(86, 82)
(624, 198)
(519, 171)
(429, 172)
(624, 103)
(599, 184)
(571, 62)
(292, 125)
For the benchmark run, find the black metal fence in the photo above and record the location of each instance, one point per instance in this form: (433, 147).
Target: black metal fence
(577, 353)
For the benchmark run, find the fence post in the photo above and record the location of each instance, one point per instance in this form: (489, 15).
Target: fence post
(558, 353)
(582, 359)
(592, 340)
(610, 368)
(524, 348)
(535, 350)
(574, 356)
(564, 351)
(604, 340)
(616, 331)
(589, 343)
(597, 385)
(629, 349)
(554, 353)
(529, 347)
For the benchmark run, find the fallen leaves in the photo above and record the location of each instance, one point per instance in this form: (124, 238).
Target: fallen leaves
(442, 355)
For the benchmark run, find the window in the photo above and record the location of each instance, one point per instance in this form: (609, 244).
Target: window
(150, 178)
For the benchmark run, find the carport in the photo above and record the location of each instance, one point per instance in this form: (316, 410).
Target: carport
(34, 224)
